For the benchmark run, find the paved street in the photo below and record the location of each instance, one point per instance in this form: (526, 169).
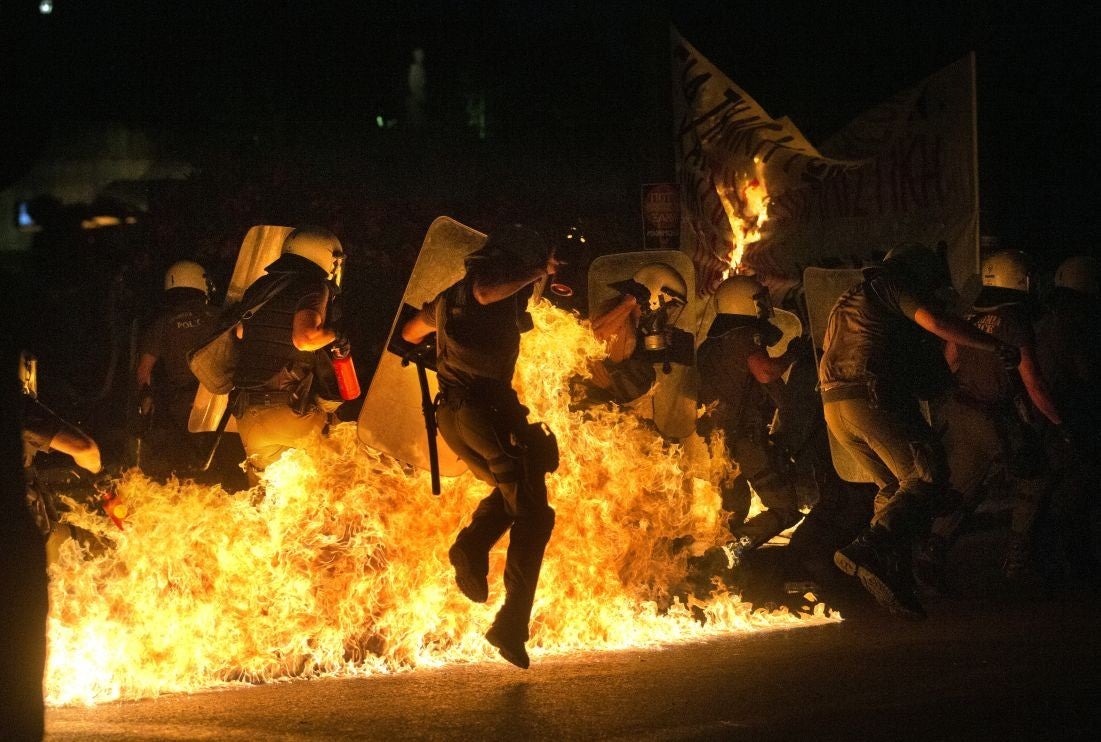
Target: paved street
(976, 669)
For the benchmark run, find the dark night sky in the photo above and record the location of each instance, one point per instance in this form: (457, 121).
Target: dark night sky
(581, 68)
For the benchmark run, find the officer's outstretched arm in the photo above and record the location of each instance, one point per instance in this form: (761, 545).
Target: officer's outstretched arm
(955, 330)
(488, 291)
(417, 328)
(83, 449)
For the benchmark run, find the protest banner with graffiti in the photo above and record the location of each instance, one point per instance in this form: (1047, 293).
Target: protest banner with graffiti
(757, 193)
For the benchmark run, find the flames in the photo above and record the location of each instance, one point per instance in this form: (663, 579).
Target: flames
(340, 565)
(747, 211)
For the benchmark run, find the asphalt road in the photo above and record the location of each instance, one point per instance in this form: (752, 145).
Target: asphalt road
(976, 669)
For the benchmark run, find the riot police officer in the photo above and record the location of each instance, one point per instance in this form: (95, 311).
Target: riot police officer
(477, 322)
(735, 374)
(989, 416)
(162, 373)
(283, 383)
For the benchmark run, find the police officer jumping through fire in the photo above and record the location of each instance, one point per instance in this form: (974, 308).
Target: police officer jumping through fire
(477, 322)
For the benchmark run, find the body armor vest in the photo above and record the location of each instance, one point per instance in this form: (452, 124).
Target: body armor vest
(475, 340)
(266, 347)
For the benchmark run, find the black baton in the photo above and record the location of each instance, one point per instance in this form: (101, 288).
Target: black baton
(220, 430)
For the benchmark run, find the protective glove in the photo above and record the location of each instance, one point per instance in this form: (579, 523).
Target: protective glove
(1010, 355)
(341, 346)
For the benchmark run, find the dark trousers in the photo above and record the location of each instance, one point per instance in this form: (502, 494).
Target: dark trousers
(901, 453)
(776, 490)
(479, 434)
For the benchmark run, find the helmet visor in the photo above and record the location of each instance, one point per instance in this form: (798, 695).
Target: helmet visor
(28, 374)
(338, 268)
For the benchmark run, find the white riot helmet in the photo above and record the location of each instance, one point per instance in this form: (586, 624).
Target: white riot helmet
(662, 295)
(665, 285)
(187, 274)
(28, 374)
(319, 246)
(743, 296)
(1078, 273)
(1007, 269)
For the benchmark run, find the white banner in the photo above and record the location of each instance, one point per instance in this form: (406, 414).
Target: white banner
(904, 171)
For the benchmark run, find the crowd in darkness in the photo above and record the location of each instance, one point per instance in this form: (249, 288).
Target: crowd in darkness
(90, 290)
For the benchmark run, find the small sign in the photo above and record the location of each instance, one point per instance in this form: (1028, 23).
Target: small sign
(661, 216)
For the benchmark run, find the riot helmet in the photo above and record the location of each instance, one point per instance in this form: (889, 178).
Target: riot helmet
(187, 274)
(1078, 273)
(523, 246)
(1007, 269)
(743, 295)
(918, 263)
(662, 294)
(664, 286)
(319, 246)
(1006, 280)
(743, 301)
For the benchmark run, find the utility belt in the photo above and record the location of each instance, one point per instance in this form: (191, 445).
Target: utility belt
(845, 392)
(250, 398)
(876, 394)
(492, 394)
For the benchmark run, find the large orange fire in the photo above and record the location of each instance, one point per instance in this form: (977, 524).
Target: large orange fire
(747, 211)
(341, 567)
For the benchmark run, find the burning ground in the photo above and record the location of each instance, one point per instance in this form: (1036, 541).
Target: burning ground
(340, 566)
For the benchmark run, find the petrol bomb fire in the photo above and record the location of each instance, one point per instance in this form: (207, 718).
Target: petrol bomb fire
(339, 567)
(747, 212)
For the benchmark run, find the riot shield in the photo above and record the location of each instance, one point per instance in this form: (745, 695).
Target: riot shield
(671, 401)
(822, 288)
(392, 420)
(260, 248)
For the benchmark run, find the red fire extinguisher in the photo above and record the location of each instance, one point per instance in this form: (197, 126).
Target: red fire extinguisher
(114, 508)
(345, 368)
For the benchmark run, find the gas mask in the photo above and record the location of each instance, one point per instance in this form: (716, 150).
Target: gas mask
(662, 296)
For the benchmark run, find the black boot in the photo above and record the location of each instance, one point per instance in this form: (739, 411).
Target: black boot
(509, 642)
(471, 572)
(470, 553)
(883, 567)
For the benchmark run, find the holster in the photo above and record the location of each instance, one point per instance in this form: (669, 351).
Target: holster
(540, 447)
(302, 399)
